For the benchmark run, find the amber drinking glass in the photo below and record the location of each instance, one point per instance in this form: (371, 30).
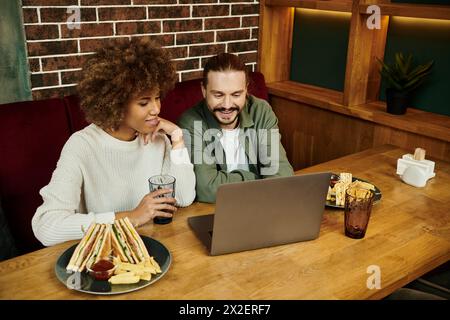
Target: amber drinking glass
(358, 206)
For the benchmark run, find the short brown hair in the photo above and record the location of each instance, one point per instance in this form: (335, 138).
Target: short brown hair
(118, 71)
(223, 62)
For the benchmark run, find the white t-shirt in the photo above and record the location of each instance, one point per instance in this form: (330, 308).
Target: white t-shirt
(234, 153)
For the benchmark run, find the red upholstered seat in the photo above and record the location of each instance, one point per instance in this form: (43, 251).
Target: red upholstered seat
(77, 120)
(32, 135)
(257, 86)
(185, 95)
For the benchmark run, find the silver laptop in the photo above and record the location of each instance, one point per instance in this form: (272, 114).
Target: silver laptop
(263, 213)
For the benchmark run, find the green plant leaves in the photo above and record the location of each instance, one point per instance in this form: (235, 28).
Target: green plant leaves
(402, 75)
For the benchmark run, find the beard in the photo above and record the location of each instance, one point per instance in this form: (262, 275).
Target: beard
(226, 116)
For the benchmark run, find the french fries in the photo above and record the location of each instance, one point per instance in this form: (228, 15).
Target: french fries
(124, 279)
(136, 267)
(359, 194)
(127, 273)
(155, 264)
(337, 193)
(146, 276)
(362, 185)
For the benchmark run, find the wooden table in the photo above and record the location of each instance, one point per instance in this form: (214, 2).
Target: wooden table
(408, 235)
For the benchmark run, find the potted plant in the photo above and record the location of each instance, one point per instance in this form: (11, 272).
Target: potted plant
(402, 78)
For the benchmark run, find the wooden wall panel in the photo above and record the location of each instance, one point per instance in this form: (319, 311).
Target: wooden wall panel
(275, 34)
(312, 135)
(435, 148)
(379, 43)
(362, 81)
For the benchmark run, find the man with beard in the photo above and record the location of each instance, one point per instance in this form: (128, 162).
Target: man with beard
(233, 136)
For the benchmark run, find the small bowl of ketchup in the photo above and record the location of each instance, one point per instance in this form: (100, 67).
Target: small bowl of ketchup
(103, 269)
(334, 179)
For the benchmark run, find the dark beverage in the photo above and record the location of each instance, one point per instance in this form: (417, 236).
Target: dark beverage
(163, 182)
(162, 220)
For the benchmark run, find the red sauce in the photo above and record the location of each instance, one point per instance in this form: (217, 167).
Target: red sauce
(103, 265)
(334, 180)
(102, 269)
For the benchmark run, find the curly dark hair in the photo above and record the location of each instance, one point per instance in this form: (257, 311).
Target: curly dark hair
(118, 71)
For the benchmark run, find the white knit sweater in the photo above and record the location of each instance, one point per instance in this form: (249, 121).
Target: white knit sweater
(98, 175)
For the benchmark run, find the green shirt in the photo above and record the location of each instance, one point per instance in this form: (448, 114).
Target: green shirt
(203, 143)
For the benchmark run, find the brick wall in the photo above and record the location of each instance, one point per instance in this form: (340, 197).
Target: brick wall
(193, 30)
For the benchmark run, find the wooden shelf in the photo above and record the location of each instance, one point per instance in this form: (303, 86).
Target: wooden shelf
(415, 121)
(411, 10)
(389, 9)
(331, 5)
(316, 96)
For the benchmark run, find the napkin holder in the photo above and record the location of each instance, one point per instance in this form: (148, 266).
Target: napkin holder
(415, 172)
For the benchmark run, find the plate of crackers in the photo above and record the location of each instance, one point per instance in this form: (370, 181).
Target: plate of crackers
(339, 183)
(112, 259)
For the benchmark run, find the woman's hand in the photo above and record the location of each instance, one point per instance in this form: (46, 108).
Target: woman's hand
(165, 126)
(151, 205)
